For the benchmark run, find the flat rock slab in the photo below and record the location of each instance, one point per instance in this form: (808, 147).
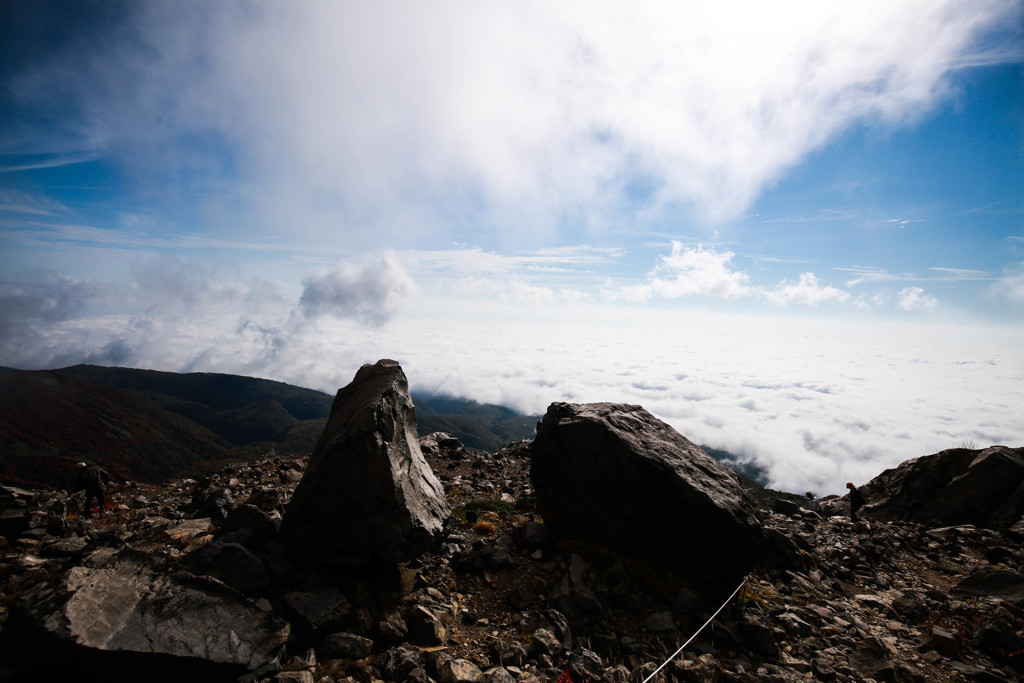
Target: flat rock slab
(116, 602)
(997, 584)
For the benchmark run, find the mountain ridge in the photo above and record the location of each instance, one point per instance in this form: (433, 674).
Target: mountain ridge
(230, 417)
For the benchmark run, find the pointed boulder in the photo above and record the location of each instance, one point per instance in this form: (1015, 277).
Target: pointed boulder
(368, 495)
(615, 475)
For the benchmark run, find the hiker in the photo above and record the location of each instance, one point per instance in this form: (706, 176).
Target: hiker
(92, 480)
(812, 503)
(856, 500)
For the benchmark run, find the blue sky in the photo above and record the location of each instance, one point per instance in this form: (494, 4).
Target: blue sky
(292, 189)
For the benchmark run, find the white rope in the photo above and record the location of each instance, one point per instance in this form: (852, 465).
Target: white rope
(710, 619)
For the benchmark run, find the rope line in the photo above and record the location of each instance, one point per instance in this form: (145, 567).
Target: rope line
(710, 619)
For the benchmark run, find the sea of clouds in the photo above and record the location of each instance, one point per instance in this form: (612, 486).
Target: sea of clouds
(815, 402)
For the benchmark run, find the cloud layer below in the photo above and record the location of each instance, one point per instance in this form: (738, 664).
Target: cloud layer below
(816, 403)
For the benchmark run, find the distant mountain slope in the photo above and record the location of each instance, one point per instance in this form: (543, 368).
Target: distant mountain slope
(478, 425)
(154, 426)
(49, 421)
(750, 471)
(213, 390)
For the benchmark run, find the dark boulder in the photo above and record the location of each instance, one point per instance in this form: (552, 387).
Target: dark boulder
(996, 584)
(617, 476)
(368, 495)
(956, 486)
(15, 504)
(319, 611)
(232, 563)
(346, 645)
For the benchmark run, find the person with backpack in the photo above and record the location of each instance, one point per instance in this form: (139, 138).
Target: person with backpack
(856, 500)
(812, 502)
(93, 480)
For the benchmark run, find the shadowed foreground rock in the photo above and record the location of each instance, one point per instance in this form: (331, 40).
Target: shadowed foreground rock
(116, 611)
(368, 495)
(889, 601)
(616, 475)
(956, 486)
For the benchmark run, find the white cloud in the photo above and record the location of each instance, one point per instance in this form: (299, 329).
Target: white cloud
(914, 298)
(698, 271)
(808, 291)
(371, 293)
(1011, 285)
(504, 117)
(690, 272)
(57, 298)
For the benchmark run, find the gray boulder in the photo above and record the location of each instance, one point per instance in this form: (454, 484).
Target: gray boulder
(459, 671)
(368, 495)
(397, 662)
(616, 475)
(956, 486)
(116, 603)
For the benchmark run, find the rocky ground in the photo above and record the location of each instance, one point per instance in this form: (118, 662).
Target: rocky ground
(500, 601)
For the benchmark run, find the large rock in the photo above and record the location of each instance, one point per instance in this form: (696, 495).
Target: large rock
(956, 486)
(368, 495)
(116, 610)
(616, 475)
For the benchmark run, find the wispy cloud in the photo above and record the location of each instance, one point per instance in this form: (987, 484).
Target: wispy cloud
(16, 163)
(824, 215)
(33, 204)
(478, 260)
(937, 274)
(870, 274)
(49, 225)
(517, 290)
(376, 115)
(904, 222)
(960, 274)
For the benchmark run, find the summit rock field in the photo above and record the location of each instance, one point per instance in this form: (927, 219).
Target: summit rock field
(555, 559)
